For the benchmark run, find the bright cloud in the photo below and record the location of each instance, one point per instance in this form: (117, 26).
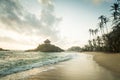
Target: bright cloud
(22, 27)
(26, 23)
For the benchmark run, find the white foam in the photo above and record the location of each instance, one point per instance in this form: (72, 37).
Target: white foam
(38, 64)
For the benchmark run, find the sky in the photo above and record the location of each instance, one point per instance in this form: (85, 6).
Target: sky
(24, 24)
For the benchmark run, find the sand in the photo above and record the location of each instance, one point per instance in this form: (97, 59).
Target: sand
(110, 61)
(84, 69)
(93, 66)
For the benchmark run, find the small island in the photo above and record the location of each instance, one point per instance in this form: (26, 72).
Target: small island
(1, 49)
(47, 47)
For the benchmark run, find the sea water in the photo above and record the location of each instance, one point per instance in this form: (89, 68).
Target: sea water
(18, 65)
(16, 61)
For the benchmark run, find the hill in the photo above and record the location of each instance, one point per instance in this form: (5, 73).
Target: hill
(47, 47)
(3, 49)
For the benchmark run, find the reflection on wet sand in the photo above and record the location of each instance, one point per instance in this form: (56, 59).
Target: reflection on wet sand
(24, 74)
(82, 68)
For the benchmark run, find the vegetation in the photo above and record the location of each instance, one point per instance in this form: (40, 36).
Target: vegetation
(75, 48)
(109, 40)
(47, 47)
(3, 49)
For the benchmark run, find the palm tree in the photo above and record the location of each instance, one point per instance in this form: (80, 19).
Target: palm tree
(118, 1)
(90, 31)
(94, 44)
(101, 28)
(90, 44)
(101, 24)
(101, 18)
(96, 32)
(115, 34)
(99, 42)
(105, 22)
(115, 9)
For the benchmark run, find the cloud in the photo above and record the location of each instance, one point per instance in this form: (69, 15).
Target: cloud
(96, 2)
(48, 18)
(14, 18)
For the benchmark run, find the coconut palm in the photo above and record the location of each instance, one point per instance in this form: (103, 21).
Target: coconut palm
(98, 43)
(101, 24)
(109, 41)
(90, 31)
(106, 20)
(118, 1)
(101, 18)
(96, 32)
(94, 44)
(101, 28)
(116, 11)
(90, 44)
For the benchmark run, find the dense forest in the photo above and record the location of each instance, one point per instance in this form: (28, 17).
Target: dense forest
(109, 40)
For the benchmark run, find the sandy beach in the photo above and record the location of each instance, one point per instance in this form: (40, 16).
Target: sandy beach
(83, 66)
(78, 69)
(110, 61)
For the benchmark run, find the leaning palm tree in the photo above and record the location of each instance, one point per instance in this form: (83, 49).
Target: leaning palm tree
(101, 18)
(101, 24)
(90, 32)
(93, 32)
(106, 20)
(101, 28)
(96, 32)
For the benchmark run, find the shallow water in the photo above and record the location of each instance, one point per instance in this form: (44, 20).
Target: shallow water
(12, 62)
(77, 67)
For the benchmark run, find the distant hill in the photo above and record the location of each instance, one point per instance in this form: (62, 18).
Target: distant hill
(3, 49)
(47, 47)
(75, 48)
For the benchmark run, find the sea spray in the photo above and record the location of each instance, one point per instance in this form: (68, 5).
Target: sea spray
(47, 59)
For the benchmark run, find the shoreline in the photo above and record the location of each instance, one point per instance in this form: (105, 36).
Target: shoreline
(109, 61)
(76, 68)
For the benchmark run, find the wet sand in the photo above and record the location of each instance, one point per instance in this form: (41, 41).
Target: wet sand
(110, 61)
(82, 68)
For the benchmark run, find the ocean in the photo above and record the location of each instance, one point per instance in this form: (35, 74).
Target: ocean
(16, 61)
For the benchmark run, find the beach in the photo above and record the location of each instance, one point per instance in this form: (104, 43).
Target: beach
(110, 61)
(59, 39)
(81, 68)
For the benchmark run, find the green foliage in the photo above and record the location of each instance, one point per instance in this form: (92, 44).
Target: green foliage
(109, 42)
(48, 48)
(75, 48)
(3, 49)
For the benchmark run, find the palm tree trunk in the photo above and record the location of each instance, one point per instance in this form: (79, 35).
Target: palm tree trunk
(106, 29)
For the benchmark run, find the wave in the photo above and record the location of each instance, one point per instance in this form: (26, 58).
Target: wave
(48, 61)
